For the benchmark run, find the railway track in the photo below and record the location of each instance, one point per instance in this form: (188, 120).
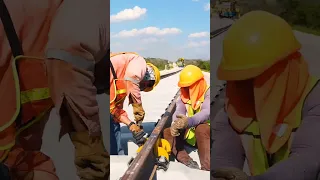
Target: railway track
(145, 164)
(219, 31)
(146, 158)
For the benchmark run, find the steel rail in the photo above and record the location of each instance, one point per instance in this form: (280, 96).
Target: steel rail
(142, 167)
(219, 31)
(169, 74)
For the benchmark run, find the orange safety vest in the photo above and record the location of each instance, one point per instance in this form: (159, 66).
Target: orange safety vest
(32, 98)
(118, 88)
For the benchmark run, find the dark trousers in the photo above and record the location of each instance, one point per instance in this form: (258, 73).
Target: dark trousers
(203, 143)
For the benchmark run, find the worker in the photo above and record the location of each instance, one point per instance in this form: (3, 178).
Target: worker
(191, 119)
(48, 51)
(129, 74)
(271, 115)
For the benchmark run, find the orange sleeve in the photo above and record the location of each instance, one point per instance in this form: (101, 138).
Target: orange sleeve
(118, 113)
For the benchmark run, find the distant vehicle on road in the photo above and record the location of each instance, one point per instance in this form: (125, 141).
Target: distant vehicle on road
(180, 62)
(227, 9)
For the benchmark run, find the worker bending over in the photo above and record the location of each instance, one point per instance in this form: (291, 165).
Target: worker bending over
(48, 52)
(272, 112)
(129, 74)
(191, 120)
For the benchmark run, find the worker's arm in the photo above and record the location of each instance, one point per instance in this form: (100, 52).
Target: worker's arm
(77, 39)
(135, 72)
(304, 160)
(120, 116)
(226, 149)
(203, 115)
(180, 109)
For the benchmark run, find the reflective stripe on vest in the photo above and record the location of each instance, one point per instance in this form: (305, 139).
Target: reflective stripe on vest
(120, 93)
(26, 99)
(36, 94)
(119, 87)
(28, 74)
(257, 157)
(190, 136)
(76, 61)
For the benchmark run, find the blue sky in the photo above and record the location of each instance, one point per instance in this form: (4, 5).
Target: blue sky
(164, 29)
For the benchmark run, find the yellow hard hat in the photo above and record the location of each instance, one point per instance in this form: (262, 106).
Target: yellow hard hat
(157, 77)
(253, 44)
(189, 75)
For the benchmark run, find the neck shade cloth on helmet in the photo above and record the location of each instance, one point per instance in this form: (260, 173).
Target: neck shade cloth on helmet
(194, 93)
(269, 98)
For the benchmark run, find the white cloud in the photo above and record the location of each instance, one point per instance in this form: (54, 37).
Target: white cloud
(199, 35)
(194, 44)
(207, 7)
(151, 40)
(151, 31)
(117, 44)
(128, 14)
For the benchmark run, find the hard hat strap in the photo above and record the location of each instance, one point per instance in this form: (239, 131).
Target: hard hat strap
(13, 39)
(12, 36)
(113, 71)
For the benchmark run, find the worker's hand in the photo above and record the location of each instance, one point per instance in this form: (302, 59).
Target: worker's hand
(139, 137)
(138, 112)
(180, 123)
(134, 128)
(174, 132)
(230, 174)
(138, 134)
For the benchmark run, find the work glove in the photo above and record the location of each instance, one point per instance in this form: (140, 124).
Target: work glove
(137, 133)
(229, 174)
(179, 124)
(138, 113)
(91, 158)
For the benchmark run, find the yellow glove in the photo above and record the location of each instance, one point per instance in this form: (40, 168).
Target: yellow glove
(180, 123)
(92, 161)
(138, 113)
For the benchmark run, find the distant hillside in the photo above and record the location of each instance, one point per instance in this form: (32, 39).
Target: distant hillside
(160, 63)
(202, 64)
(297, 12)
